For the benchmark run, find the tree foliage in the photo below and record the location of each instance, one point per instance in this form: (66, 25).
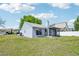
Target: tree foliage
(76, 24)
(30, 19)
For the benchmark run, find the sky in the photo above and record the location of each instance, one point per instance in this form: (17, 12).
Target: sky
(53, 12)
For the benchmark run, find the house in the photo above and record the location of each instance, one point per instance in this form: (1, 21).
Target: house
(36, 30)
(32, 30)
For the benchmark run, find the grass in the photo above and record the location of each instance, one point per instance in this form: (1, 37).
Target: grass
(13, 45)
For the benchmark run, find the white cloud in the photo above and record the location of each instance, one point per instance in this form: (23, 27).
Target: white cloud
(14, 7)
(77, 4)
(11, 27)
(72, 20)
(45, 15)
(42, 16)
(61, 5)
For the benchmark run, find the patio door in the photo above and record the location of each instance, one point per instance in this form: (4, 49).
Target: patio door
(53, 32)
(56, 32)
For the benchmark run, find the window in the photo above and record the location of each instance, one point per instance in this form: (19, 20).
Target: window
(45, 30)
(38, 32)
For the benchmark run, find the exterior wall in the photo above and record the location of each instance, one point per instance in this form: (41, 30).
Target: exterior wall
(34, 32)
(27, 30)
(69, 33)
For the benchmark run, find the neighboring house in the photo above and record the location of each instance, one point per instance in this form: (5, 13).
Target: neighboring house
(63, 26)
(36, 30)
(4, 31)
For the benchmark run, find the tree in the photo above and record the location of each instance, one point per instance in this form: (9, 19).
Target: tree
(2, 22)
(30, 19)
(76, 24)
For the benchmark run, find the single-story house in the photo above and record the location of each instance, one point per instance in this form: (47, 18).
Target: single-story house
(2, 32)
(32, 30)
(35, 30)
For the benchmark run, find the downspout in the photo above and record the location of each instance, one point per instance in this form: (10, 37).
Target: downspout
(47, 28)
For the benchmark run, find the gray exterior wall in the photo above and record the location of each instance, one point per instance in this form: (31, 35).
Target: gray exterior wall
(27, 30)
(34, 32)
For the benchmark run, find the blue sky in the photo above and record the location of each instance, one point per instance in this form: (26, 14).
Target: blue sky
(54, 12)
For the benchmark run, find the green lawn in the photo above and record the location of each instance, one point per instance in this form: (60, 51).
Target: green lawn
(14, 45)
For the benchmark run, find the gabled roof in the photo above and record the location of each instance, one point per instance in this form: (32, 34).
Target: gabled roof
(35, 25)
(59, 25)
